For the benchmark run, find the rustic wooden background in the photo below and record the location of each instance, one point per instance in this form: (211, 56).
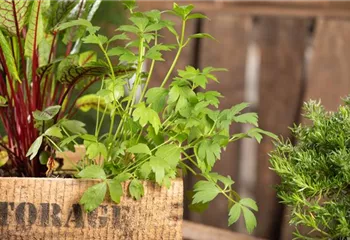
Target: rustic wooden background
(279, 54)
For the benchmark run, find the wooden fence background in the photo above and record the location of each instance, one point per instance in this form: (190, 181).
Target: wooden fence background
(279, 54)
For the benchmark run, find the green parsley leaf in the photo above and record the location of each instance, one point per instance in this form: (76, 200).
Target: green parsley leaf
(205, 191)
(115, 190)
(92, 172)
(93, 197)
(136, 189)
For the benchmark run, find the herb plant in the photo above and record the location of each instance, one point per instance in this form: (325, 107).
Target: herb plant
(35, 82)
(156, 131)
(315, 174)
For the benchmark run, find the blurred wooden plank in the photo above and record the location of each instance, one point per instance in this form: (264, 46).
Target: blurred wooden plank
(282, 43)
(267, 8)
(229, 52)
(195, 231)
(329, 71)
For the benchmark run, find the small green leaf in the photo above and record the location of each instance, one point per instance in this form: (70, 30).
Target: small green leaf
(74, 126)
(94, 196)
(145, 170)
(34, 148)
(115, 190)
(234, 214)
(54, 131)
(48, 114)
(123, 177)
(249, 219)
(196, 16)
(158, 166)
(139, 148)
(145, 115)
(79, 22)
(248, 202)
(92, 172)
(136, 189)
(170, 153)
(251, 118)
(156, 97)
(202, 35)
(205, 191)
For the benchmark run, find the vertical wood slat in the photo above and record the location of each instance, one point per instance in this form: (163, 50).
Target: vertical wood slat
(229, 52)
(282, 44)
(329, 71)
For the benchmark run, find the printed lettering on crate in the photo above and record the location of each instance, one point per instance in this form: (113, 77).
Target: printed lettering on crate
(34, 208)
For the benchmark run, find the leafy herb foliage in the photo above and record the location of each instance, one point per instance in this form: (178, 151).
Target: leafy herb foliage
(315, 173)
(160, 129)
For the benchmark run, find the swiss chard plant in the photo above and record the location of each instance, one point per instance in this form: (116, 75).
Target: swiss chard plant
(40, 65)
(155, 131)
(315, 173)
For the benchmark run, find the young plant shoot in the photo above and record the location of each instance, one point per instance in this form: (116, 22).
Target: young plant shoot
(155, 131)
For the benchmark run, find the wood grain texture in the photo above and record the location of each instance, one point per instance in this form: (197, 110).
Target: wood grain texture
(300, 9)
(195, 231)
(47, 208)
(229, 51)
(282, 44)
(329, 71)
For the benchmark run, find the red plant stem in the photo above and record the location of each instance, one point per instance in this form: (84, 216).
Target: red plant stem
(21, 50)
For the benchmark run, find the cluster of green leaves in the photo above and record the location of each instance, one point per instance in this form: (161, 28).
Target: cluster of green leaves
(315, 173)
(162, 129)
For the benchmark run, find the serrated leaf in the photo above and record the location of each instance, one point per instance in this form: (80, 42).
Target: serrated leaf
(93, 197)
(115, 190)
(35, 29)
(74, 126)
(12, 12)
(95, 149)
(47, 114)
(145, 170)
(205, 191)
(249, 219)
(54, 131)
(234, 213)
(9, 59)
(159, 167)
(34, 148)
(122, 36)
(170, 153)
(251, 118)
(139, 148)
(248, 202)
(136, 189)
(157, 98)
(145, 115)
(92, 172)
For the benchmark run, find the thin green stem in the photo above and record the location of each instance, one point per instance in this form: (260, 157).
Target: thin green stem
(177, 54)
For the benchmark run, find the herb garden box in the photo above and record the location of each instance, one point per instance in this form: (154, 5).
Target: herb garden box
(48, 208)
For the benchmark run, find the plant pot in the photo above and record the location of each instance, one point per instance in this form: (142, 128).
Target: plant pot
(47, 208)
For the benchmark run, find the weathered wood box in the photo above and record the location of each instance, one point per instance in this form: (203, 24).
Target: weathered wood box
(47, 208)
